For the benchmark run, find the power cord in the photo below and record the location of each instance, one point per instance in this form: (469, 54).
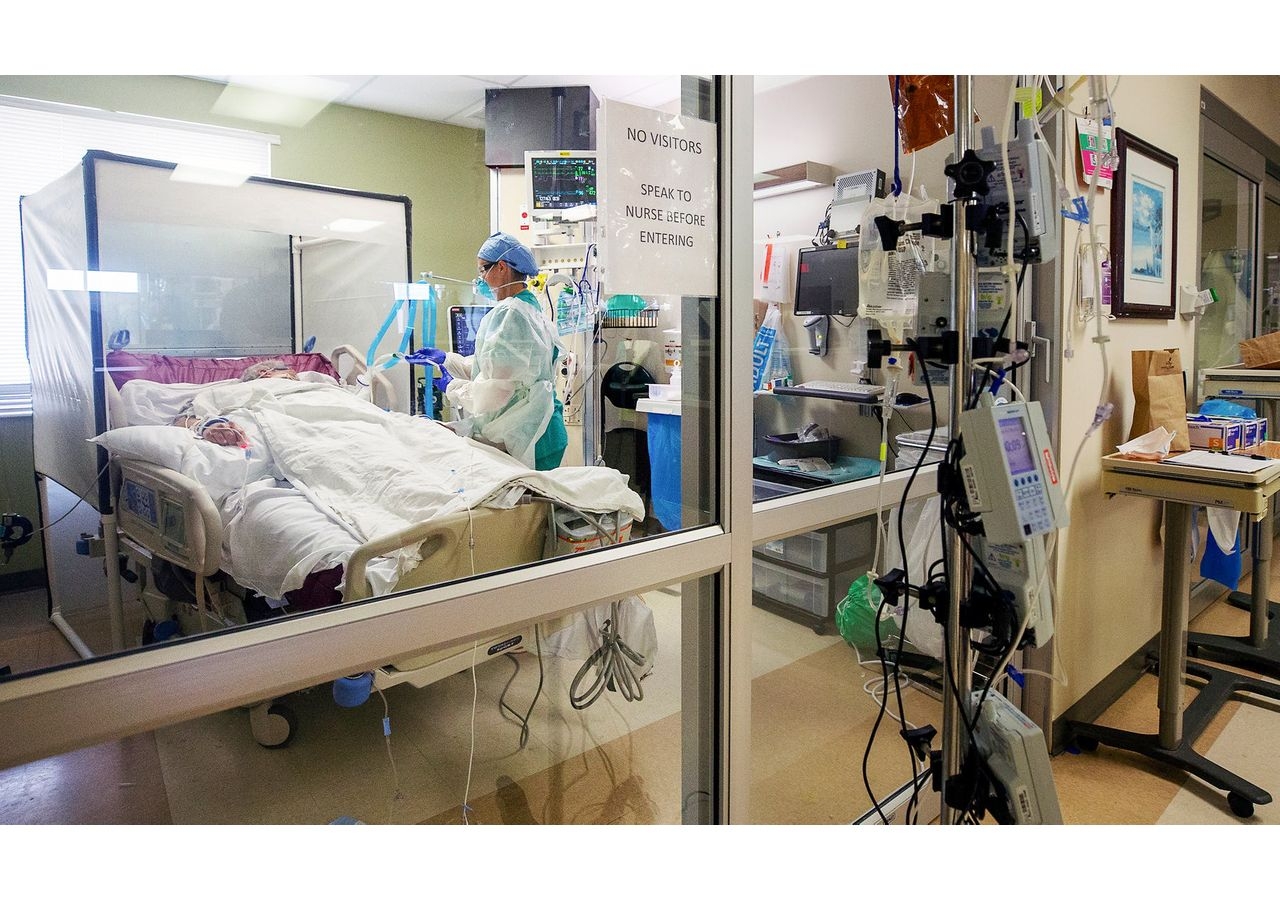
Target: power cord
(880, 648)
(502, 703)
(612, 671)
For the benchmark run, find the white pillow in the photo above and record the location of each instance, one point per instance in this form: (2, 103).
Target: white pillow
(162, 445)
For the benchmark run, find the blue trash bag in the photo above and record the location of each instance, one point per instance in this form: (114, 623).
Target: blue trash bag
(1219, 407)
(1223, 568)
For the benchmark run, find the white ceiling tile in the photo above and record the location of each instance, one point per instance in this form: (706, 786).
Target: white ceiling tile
(657, 95)
(459, 99)
(423, 97)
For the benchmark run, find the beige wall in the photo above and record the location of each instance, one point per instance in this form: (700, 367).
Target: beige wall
(1111, 557)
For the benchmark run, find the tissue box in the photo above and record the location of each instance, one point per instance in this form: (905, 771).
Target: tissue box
(1214, 433)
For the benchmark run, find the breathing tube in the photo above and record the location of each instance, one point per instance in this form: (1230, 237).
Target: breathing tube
(428, 325)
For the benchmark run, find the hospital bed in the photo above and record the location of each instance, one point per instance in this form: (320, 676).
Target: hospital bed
(172, 513)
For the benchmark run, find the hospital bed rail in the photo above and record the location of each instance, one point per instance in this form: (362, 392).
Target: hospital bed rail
(449, 547)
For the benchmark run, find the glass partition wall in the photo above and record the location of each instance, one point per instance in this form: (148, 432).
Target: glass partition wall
(609, 576)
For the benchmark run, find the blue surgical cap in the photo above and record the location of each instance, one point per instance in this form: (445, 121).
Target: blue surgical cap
(502, 246)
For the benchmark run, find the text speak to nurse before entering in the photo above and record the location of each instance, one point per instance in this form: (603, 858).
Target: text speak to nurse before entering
(659, 214)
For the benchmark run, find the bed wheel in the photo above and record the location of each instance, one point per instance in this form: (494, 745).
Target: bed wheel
(273, 724)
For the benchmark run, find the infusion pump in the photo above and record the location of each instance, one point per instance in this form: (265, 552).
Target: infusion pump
(1010, 478)
(1009, 473)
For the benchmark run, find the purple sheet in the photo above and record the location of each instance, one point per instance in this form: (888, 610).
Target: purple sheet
(125, 365)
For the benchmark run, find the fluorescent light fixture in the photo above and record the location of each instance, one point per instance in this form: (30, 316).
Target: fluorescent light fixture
(352, 226)
(78, 280)
(284, 100)
(800, 177)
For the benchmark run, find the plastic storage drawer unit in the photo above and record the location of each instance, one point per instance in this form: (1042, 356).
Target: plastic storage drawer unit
(846, 542)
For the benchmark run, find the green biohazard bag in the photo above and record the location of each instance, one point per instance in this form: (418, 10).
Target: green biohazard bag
(856, 618)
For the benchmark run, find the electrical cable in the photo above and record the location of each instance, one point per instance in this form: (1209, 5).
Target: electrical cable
(502, 703)
(611, 658)
(73, 506)
(822, 236)
(880, 649)
(951, 518)
(612, 671)
(972, 400)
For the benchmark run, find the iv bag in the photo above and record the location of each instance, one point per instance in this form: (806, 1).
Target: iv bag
(889, 280)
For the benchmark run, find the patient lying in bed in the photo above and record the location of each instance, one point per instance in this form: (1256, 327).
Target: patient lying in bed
(223, 431)
(326, 471)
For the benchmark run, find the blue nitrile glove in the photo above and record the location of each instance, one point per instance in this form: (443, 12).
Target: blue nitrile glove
(442, 381)
(425, 356)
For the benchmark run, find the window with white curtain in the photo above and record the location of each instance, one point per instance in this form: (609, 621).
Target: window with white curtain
(41, 141)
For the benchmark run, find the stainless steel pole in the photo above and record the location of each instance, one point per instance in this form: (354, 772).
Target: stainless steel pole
(959, 657)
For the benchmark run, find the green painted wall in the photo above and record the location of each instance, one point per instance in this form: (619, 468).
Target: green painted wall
(440, 168)
(18, 495)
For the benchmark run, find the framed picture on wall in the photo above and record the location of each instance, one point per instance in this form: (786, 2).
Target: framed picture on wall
(1144, 226)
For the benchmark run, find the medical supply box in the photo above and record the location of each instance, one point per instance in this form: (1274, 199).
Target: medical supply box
(574, 533)
(1224, 433)
(1255, 432)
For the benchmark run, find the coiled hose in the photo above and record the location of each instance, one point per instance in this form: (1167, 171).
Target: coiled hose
(610, 663)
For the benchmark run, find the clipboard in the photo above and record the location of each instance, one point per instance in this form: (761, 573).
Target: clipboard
(1219, 462)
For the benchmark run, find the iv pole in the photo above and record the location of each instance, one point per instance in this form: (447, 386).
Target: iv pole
(959, 656)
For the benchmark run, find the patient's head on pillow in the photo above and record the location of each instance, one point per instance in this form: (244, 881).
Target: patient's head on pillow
(270, 368)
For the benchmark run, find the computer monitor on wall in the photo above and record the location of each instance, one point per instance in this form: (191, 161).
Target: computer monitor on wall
(827, 281)
(560, 183)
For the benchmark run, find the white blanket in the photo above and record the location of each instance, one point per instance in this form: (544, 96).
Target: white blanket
(368, 472)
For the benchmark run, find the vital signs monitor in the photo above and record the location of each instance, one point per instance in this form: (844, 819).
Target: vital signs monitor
(559, 181)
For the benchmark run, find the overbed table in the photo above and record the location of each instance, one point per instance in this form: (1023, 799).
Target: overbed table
(1181, 488)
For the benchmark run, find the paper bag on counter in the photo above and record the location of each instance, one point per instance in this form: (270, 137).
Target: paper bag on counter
(1160, 395)
(1261, 352)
